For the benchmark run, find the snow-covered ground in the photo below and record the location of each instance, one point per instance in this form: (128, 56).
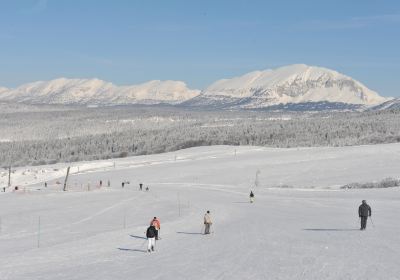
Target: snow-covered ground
(309, 231)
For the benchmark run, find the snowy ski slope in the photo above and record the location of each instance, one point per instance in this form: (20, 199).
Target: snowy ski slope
(308, 231)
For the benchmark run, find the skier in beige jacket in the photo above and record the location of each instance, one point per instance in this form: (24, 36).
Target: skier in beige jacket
(207, 222)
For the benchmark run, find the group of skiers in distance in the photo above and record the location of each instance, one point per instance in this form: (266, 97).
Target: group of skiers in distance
(152, 233)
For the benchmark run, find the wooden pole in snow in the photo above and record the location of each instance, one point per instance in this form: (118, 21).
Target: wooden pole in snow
(66, 179)
(9, 176)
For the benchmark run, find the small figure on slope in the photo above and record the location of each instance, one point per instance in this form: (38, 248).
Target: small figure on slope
(207, 223)
(156, 223)
(140, 186)
(251, 197)
(151, 238)
(364, 211)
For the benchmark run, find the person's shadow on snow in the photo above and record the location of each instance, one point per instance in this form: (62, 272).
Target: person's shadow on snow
(132, 250)
(190, 233)
(330, 229)
(137, 236)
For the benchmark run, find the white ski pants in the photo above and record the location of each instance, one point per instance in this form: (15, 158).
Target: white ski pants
(151, 243)
(207, 228)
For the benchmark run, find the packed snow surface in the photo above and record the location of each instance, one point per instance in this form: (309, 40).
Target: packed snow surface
(309, 231)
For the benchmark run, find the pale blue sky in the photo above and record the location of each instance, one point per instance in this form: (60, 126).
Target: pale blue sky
(129, 42)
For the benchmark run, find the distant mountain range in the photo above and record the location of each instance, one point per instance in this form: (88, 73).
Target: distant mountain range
(294, 87)
(98, 92)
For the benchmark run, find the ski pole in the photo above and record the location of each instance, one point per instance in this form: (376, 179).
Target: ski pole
(371, 221)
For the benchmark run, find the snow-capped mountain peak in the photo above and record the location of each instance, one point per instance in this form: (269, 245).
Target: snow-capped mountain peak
(297, 83)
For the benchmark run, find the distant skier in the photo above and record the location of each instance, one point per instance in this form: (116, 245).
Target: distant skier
(123, 184)
(156, 223)
(147, 189)
(45, 184)
(108, 183)
(207, 223)
(101, 183)
(151, 237)
(251, 197)
(140, 186)
(364, 211)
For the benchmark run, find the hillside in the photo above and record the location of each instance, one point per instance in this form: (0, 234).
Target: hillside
(309, 231)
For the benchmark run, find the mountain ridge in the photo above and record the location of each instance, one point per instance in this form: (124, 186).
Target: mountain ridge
(95, 91)
(292, 84)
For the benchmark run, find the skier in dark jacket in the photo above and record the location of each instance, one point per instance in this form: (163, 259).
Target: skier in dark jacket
(157, 225)
(364, 211)
(251, 197)
(151, 237)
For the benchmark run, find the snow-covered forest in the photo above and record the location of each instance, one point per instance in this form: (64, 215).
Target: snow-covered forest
(35, 135)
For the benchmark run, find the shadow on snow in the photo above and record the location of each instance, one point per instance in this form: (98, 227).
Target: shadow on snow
(193, 233)
(137, 236)
(331, 229)
(132, 250)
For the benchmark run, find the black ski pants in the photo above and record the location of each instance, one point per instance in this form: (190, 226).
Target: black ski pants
(364, 222)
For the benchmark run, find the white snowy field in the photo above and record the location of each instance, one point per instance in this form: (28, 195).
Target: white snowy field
(310, 231)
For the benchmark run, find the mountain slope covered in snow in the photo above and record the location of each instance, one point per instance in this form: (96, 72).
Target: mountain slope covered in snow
(390, 104)
(300, 87)
(3, 89)
(95, 91)
(294, 84)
